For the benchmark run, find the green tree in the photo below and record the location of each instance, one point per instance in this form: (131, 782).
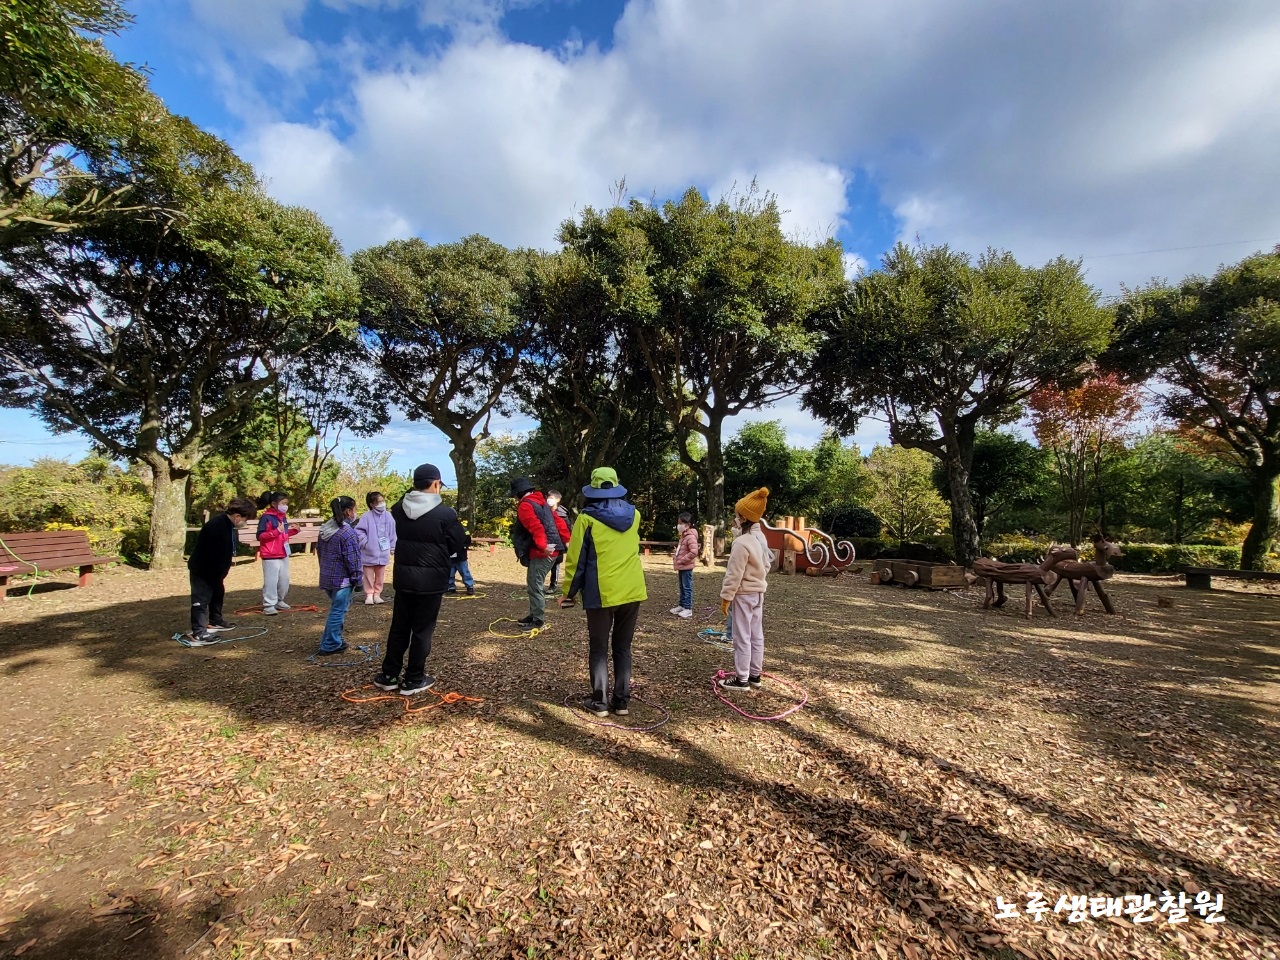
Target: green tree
(111, 504)
(903, 494)
(720, 302)
(1007, 473)
(1186, 487)
(1212, 347)
(582, 377)
(445, 328)
(941, 345)
(155, 336)
(66, 106)
(758, 456)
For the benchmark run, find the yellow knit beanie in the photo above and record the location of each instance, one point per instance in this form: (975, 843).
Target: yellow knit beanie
(752, 506)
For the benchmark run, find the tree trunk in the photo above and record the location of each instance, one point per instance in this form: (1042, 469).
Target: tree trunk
(959, 462)
(168, 515)
(1266, 519)
(713, 477)
(462, 451)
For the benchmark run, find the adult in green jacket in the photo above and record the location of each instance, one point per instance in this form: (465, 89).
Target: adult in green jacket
(604, 566)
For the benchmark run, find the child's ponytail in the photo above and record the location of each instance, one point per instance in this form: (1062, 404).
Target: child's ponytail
(340, 506)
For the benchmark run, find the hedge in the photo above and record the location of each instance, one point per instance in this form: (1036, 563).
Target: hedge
(1138, 557)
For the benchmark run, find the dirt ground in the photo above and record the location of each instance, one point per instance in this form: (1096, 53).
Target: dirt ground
(227, 802)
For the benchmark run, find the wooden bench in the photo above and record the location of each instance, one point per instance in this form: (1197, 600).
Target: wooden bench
(646, 544)
(43, 552)
(493, 542)
(308, 534)
(1201, 578)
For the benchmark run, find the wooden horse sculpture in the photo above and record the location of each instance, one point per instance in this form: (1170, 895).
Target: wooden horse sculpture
(1035, 576)
(1081, 574)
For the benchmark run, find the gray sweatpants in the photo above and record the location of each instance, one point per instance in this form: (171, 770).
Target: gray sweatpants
(275, 582)
(747, 613)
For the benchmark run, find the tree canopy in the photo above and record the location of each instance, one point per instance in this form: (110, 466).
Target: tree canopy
(721, 304)
(1213, 346)
(445, 328)
(939, 344)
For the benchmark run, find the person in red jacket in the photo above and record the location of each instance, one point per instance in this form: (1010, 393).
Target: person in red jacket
(539, 536)
(274, 531)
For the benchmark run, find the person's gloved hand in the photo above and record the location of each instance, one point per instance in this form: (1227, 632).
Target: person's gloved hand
(724, 608)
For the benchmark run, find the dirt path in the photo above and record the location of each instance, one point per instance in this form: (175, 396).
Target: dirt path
(226, 802)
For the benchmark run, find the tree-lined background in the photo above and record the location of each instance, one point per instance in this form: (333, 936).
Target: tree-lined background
(209, 341)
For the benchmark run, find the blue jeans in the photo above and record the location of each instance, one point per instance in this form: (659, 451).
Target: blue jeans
(331, 639)
(464, 568)
(728, 624)
(686, 588)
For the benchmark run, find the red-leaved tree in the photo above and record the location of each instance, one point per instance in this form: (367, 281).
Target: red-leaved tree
(1080, 427)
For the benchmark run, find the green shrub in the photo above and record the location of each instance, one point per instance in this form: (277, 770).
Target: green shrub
(846, 520)
(1172, 557)
(1138, 557)
(1018, 550)
(869, 548)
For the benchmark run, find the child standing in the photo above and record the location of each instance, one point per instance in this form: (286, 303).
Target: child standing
(745, 582)
(338, 549)
(210, 560)
(682, 561)
(274, 532)
(377, 542)
(458, 565)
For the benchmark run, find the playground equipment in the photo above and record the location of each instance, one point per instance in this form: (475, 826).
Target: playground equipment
(1033, 575)
(807, 550)
(917, 573)
(1081, 575)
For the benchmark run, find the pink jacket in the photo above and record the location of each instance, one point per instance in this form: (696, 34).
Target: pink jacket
(686, 554)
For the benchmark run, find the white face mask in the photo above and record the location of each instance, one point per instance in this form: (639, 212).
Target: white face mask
(380, 508)
(553, 503)
(282, 507)
(682, 527)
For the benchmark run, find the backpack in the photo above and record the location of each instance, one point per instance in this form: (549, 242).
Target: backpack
(522, 539)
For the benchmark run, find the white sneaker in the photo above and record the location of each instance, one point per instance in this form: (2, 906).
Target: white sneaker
(369, 601)
(281, 605)
(684, 613)
(675, 611)
(270, 611)
(378, 600)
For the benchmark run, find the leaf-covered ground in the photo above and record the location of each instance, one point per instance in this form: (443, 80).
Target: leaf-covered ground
(226, 802)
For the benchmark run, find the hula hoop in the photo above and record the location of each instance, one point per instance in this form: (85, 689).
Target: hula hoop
(515, 636)
(304, 608)
(721, 675)
(369, 654)
(579, 714)
(445, 698)
(188, 641)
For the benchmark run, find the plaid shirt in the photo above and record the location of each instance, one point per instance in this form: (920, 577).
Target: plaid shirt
(339, 559)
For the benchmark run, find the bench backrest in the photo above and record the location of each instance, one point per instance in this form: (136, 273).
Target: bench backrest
(48, 548)
(308, 533)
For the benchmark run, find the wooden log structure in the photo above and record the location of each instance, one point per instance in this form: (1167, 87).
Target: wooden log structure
(1033, 575)
(1083, 575)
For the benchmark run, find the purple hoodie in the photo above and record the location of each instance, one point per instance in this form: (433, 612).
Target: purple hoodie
(374, 529)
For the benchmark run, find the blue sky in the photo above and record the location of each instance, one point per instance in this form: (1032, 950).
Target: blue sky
(1139, 136)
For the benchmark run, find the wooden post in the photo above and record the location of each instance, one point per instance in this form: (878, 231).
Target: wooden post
(789, 561)
(86, 576)
(708, 555)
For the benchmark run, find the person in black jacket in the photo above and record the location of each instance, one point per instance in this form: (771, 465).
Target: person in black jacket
(215, 547)
(427, 535)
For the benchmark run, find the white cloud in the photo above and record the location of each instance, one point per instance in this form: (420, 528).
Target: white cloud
(1081, 129)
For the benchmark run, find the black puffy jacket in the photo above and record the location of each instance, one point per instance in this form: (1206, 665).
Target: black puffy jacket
(423, 548)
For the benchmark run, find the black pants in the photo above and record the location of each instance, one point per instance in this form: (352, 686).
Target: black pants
(612, 626)
(413, 623)
(206, 603)
(554, 582)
